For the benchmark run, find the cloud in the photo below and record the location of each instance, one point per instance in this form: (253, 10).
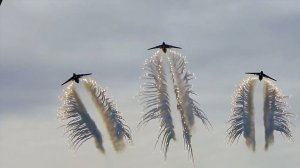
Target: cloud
(43, 42)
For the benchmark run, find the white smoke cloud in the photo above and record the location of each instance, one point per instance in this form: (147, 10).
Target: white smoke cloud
(80, 126)
(242, 118)
(115, 124)
(276, 115)
(155, 97)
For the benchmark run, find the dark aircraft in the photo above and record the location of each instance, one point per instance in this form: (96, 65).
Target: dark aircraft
(164, 47)
(76, 77)
(0, 2)
(260, 75)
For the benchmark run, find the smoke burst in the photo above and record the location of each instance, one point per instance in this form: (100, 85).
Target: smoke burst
(115, 124)
(276, 116)
(80, 127)
(242, 118)
(155, 98)
(187, 106)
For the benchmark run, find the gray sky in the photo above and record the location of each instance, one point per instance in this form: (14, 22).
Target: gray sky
(43, 42)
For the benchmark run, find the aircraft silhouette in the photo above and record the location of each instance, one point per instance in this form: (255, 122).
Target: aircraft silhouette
(76, 77)
(260, 75)
(164, 47)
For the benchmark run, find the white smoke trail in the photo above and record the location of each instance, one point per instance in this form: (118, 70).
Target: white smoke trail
(187, 107)
(276, 116)
(115, 124)
(80, 126)
(242, 117)
(155, 98)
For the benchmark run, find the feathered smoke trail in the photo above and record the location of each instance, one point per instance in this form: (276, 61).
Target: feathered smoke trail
(115, 124)
(242, 117)
(187, 106)
(276, 116)
(80, 126)
(155, 98)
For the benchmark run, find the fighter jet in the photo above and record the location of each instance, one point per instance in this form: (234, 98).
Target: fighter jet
(260, 75)
(76, 77)
(164, 47)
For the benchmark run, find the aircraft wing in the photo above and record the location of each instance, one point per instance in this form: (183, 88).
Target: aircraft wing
(269, 77)
(170, 46)
(155, 47)
(253, 73)
(80, 75)
(67, 80)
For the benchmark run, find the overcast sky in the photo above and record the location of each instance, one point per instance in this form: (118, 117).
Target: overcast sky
(42, 42)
